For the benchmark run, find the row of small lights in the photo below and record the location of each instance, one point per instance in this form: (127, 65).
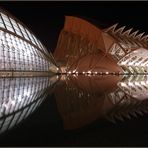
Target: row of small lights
(89, 72)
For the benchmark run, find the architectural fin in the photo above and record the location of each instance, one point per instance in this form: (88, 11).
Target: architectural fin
(134, 34)
(139, 112)
(127, 32)
(119, 117)
(145, 111)
(120, 30)
(111, 119)
(139, 36)
(112, 28)
(133, 114)
(145, 37)
(128, 116)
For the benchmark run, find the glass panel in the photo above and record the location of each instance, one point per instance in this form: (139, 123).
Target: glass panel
(7, 22)
(15, 26)
(1, 23)
(23, 31)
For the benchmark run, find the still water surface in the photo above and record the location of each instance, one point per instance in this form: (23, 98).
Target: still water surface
(74, 111)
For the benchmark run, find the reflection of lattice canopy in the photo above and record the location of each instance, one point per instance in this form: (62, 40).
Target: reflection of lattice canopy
(20, 50)
(20, 97)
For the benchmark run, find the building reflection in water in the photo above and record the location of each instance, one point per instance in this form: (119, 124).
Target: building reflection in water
(20, 97)
(83, 99)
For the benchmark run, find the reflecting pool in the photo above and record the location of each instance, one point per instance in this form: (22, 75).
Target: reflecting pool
(19, 97)
(74, 110)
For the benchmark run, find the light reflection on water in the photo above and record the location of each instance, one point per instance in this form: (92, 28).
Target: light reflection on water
(20, 97)
(83, 99)
(80, 100)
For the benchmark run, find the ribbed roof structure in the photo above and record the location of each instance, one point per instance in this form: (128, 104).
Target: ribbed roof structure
(20, 49)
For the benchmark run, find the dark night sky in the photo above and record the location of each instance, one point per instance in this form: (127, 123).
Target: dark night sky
(46, 19)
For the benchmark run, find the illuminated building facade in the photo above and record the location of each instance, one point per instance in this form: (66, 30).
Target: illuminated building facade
(85, 48)
(21, 53)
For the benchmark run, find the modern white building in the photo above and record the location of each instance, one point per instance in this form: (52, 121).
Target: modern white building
(21, 52)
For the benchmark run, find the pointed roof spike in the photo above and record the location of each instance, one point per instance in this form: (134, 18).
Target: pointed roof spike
(111, 119)
(120, 30)
(134, 34)
(145, 37)
(146, 40)
(139, 112)
(127, 32)
(134, 114)
(119, 117)
(139, 36)
(145, 110)
(112, 28)
(128, 116)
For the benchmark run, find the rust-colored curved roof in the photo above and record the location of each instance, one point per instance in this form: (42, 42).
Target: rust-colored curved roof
(78, 39)
(82, 28)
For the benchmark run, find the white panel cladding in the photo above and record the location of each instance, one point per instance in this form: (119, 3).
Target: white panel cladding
(17, 54)
(20, 50)
(136, 61)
